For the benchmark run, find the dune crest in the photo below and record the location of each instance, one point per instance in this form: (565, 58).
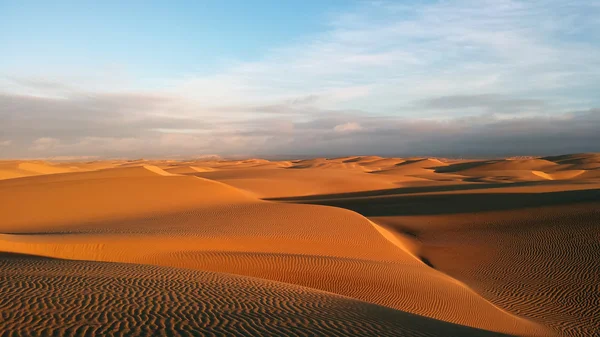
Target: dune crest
(157, 170)
(18, 169)
(351, 245)
(148, 300)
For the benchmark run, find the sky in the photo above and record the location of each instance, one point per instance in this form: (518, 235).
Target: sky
(236, 78)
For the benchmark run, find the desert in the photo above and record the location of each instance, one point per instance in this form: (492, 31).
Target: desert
(346, 246)
(300, 168)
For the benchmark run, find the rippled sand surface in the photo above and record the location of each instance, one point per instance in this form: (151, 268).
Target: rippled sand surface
(354, 246)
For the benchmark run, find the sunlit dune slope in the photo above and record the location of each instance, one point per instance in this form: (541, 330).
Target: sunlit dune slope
(377, 163)
(17, 169)
(193, 223)
(78, 198)
(42, 297)
(501, 245)
(327, 176)
(278, 182)
(187, 169)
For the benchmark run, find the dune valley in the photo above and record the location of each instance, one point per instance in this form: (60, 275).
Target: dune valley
(352, 246)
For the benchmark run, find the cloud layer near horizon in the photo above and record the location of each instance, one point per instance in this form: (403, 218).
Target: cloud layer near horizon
(457, 78)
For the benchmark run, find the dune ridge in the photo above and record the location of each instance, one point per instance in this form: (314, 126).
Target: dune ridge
(406, 235)
(123, 299)
(278, 229)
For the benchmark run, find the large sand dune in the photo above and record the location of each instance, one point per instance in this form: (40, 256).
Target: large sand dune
(539, 262)
(48, 297)
(411, 247)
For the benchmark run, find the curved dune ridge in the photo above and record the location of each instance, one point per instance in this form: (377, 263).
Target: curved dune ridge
(582, 166)
(414, 169)
(280, 182)
(148, 217)
(42, 297)
(104, 195)
(365, 265)
(187, 169)
(432, 294)
(540, 263)
(581, 161)
(561, 175)
(209, 236)
(17, 169)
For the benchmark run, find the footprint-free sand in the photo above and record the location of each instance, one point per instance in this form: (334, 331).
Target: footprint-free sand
(353, 246)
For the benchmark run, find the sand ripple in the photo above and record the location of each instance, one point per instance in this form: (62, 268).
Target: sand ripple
(48, 297)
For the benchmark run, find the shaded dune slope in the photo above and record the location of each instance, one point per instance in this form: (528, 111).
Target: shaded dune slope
(531, 253)
(581, 161)
(548, 168)
(539, 262)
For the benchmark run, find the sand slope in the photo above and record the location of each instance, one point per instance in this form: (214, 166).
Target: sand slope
(17, 169)
(537, 262)
(505, 246)
(42, 297)
(63, 200)
(528, 251)
(318, 258)
(140, 215)
(280, 182)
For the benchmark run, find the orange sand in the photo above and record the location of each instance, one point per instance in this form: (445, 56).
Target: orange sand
(343, 247)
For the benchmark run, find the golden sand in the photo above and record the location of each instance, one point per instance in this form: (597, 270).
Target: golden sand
(338, 247)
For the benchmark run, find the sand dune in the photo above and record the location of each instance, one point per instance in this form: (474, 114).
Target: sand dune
(380, 163)
(516, 164)
(280, 182)
(582, 161)
(188, 169)
(44, 297)
(511, 170)
(537, 262)
(448, 248)
(103, 195)
(416, 170)
(289, 242)
(17, 169)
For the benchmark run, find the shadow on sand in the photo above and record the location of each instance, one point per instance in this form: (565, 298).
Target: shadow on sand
(400, 201)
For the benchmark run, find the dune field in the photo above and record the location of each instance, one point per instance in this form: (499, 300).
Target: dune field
(353, 246)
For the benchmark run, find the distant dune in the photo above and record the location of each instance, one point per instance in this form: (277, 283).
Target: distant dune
(335, 247)
(17, 169)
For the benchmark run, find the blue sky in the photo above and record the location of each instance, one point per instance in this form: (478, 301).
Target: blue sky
(245, 78)
(154, 37)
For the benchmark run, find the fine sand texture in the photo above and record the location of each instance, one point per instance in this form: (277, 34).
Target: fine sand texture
(50, 297)
(352, 246)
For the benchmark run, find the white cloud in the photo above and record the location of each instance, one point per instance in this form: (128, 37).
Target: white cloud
(44, 144)
(5, 142)
(421, 65)
(347, 127)
(387, 55)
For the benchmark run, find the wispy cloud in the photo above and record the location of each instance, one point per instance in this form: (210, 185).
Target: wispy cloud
(384, 78)
(484, 103)
(347, 127)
